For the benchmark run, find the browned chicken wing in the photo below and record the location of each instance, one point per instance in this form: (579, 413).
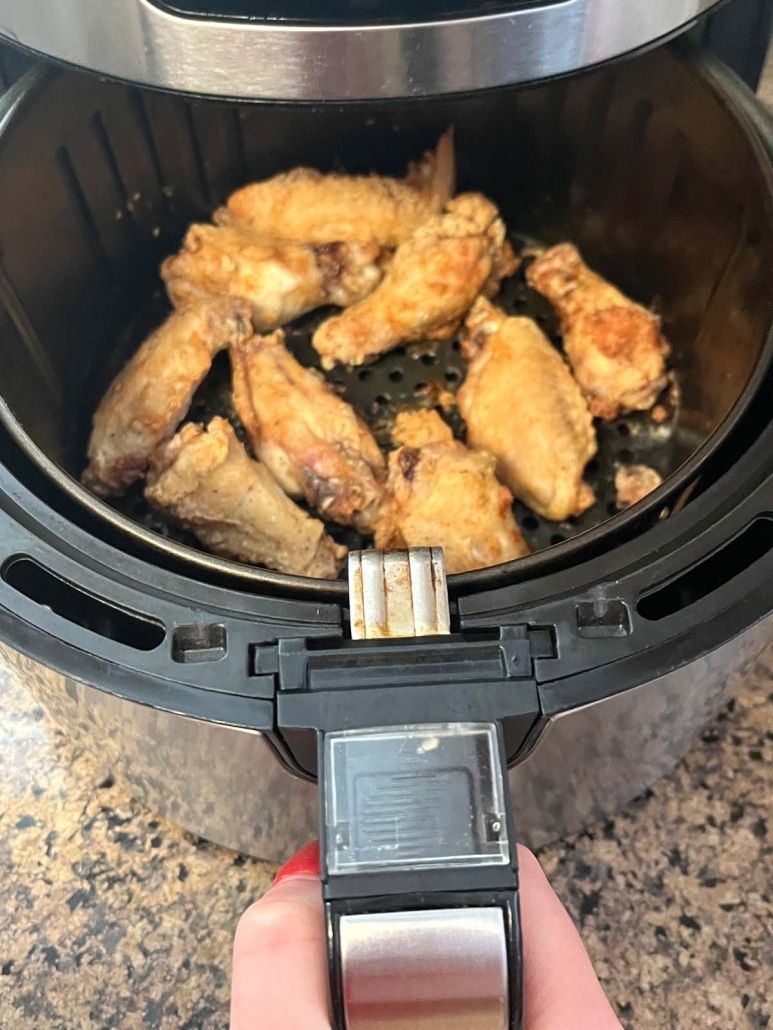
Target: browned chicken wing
(441, 494)
(207, 482)
(615, 347)
(312, 441)
(151, 395)
(430, 283)
(309, 207)
(634, 482)
(520, 402)
(281, 280)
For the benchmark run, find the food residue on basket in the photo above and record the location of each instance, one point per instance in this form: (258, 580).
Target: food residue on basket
(397, 263)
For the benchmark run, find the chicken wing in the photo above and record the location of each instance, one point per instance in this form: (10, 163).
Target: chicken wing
(312, 441)
(208, 483)
(309, 207)
(430, 283)
(615, 347)
(439, 493)
(150, 397)
(521, 404)
(633, 483)
(281, 280)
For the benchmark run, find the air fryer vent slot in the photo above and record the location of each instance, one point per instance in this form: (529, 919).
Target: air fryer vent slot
(82, 609)
(710, 575)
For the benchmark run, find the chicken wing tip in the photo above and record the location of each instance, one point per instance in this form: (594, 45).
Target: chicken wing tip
(435, 172)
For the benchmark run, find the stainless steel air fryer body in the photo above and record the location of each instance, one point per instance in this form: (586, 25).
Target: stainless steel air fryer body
(344, 50)
(569, 680)
(630, 634)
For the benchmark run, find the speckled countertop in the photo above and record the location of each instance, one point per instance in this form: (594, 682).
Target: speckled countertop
(112, 918)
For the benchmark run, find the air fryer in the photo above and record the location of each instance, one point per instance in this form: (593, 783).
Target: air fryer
(568, 680)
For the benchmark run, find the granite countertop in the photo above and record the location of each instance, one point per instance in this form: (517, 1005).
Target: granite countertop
(111, 917)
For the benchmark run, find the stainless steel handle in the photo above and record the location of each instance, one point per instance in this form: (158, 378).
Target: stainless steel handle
(398, 593)
(426, 970)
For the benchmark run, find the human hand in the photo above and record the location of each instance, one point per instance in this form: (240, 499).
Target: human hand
(280, 957)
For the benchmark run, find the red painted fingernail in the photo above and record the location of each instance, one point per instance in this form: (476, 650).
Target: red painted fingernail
(304, 863)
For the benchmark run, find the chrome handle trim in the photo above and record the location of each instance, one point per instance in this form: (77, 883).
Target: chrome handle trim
(398, 593)
(135, 40)
(425, 970)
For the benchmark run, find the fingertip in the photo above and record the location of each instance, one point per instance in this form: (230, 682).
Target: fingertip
(561, 989)
(529, 866)
(295, 902)
(279, 960)
(304, 863)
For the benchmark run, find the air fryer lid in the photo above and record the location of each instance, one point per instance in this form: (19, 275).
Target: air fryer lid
(644, 166)
(340, 49)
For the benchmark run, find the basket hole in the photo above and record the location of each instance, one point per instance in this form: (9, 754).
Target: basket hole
(396, 375)
(557, 538)
(453, 375)
(530, 523)
(420, 388)
(383, 399)
(428, 359)
(456, 346)
(623, 429)
(364, 374)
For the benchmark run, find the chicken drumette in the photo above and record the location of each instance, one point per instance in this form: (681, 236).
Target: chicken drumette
(615, 346)
(206, 481)
(441, 494)
(314, 443)
(151, 395)
(430, 283)
(281, 280)
(306, 206)
(520, 402)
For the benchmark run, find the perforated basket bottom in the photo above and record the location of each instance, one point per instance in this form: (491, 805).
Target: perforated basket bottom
(402, 378)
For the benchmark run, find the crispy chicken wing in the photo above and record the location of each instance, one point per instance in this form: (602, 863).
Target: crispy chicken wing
(417, 427)
(633, 483)
(520, 402)
(281, 280)
(430, 283)
(151, 395)
(615, 347)
(439, 493)
(208, 483)
(312, 441)
(309, 207)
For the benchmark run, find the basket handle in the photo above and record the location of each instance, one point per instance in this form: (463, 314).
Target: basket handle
(418, 856)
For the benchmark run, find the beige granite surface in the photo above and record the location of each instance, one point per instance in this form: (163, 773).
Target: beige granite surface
(111, 918)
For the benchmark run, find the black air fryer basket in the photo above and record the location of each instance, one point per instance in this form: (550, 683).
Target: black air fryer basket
(637, 164)
(658, 168)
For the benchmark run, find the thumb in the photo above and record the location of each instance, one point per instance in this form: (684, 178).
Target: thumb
(280, 956)
(561, 990)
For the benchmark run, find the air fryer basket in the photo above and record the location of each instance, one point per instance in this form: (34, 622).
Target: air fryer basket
(642, 165)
